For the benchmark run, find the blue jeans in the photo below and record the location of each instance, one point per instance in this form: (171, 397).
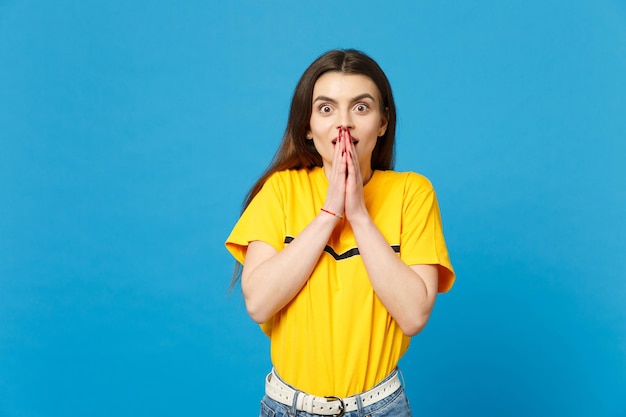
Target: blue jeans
(395, 405)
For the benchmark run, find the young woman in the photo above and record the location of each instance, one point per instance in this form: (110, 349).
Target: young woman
(342, 257)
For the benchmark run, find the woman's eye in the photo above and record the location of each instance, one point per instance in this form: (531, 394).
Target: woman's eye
(325, 108)
(361, 107)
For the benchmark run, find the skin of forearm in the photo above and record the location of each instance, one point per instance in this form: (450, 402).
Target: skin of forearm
(270, 281)
(402, 290)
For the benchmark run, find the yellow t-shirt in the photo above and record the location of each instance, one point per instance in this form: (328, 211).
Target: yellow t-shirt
(336, 337)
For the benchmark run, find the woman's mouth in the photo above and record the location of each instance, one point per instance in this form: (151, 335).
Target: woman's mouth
(354, 141)
(344, 134)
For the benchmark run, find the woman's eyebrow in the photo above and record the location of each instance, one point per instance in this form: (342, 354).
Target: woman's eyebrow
(357, 98)
(324, 98)
(362, 96)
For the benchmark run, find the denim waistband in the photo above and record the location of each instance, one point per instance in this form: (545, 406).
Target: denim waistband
(280, 391)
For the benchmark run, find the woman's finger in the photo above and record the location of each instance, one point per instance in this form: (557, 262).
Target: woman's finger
(335, 196)
(354, 160)
(355, 202)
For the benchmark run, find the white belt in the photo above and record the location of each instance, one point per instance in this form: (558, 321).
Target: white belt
(278, 391)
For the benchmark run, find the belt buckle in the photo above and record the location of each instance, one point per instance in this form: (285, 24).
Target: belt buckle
(342, 406)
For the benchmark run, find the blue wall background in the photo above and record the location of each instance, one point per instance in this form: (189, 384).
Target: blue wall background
(130, 132)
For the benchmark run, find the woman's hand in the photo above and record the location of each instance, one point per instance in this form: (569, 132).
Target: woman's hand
(345, 185)
(336, 194)
(355, 209)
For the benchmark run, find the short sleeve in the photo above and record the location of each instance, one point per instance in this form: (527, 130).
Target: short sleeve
(263, 219)
(421, 239)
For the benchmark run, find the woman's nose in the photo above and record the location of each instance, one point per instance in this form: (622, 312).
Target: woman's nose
(345, 121)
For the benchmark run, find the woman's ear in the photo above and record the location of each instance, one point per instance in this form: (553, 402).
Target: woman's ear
(309, 135)
(384, 121)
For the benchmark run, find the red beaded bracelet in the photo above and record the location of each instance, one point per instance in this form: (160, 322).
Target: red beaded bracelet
(334, 214)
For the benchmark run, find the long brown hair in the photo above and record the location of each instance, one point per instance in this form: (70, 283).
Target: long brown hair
(295, 151)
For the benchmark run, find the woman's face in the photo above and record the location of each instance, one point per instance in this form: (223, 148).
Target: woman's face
(352, 101)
